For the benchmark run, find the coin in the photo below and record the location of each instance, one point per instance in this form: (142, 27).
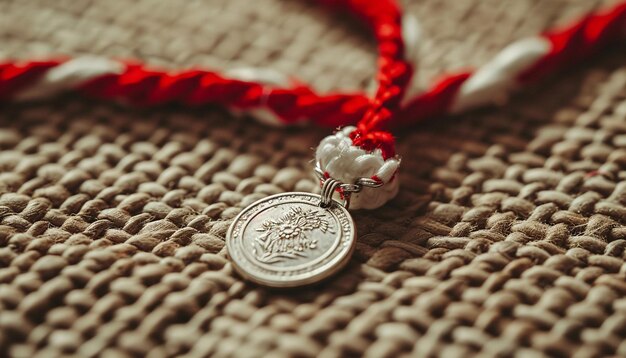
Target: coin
(288, 240)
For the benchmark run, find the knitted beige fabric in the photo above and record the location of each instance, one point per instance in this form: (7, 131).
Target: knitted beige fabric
(508, 237)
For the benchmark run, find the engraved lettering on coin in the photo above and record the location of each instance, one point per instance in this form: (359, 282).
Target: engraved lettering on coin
(288, 240)
(288, 236)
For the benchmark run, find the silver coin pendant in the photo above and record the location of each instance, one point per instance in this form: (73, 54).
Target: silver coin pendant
(289, 240)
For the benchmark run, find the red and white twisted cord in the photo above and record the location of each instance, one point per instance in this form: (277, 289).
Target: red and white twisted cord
(366, 150)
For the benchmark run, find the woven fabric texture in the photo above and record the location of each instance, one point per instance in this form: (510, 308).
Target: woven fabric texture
(508, 237)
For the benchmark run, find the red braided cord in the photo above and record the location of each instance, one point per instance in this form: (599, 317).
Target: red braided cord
(579, 41)
(14, 77)
(394, 73)
(569, 46)
(140, 85)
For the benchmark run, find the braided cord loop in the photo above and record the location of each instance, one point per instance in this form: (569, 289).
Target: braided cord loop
(363, 147)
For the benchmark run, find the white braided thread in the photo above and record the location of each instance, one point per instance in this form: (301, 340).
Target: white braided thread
(268, 77)
(347, 163)
(78, 71)
(68, 75)
(412, 36)
(493, 82)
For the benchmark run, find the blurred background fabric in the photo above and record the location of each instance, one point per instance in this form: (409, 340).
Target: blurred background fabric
(508, 236)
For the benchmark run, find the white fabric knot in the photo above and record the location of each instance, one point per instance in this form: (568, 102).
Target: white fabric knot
(346, 162)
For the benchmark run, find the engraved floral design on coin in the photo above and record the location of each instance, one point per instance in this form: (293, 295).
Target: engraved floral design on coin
(288, 240)
(287, 237)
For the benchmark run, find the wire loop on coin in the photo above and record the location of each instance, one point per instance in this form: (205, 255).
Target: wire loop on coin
(330, 185)
(328, 189)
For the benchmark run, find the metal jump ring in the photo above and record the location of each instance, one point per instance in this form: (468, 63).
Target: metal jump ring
(355, 187)
(328, 189)
(330, 185)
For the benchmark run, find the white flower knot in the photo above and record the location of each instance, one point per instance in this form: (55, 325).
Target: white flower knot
(346, 162)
